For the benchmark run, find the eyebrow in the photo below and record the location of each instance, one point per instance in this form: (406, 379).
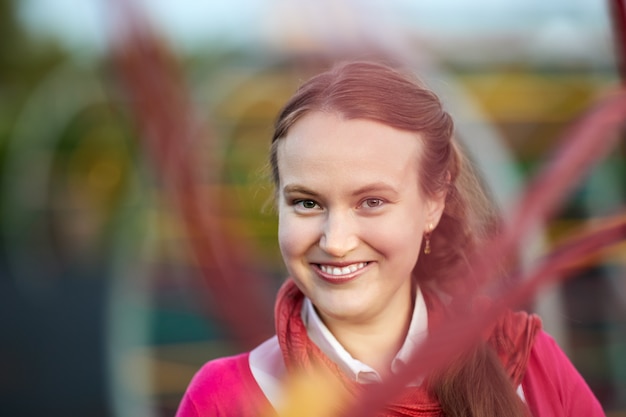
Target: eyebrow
(299, 189)
(369, 188)
(376, 187)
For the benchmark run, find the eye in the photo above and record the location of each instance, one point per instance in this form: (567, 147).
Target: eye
(305, 204)
(372, 203)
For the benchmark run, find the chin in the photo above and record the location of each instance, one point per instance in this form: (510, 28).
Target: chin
(342, 312)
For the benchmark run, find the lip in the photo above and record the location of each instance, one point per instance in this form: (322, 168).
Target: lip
(340, 279)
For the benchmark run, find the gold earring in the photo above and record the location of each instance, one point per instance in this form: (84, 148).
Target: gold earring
(429, 231)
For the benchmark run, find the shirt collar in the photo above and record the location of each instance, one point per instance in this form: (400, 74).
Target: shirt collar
(353, 368)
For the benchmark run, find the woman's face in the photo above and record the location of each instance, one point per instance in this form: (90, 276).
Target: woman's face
(351, 215)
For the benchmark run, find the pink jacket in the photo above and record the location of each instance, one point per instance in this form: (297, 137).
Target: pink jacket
(552, 387)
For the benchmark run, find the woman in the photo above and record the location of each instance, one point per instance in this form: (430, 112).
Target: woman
(378, 214)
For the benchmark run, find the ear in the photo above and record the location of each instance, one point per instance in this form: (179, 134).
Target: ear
(434, 208)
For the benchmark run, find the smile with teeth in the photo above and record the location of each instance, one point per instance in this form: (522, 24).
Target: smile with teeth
(338, 271)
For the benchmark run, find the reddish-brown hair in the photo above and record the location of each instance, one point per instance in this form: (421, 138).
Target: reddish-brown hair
(372, 91)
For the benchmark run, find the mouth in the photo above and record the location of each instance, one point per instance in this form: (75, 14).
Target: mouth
(343, 273)
(345, 270)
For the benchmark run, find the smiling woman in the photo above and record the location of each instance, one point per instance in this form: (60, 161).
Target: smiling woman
(379, 214)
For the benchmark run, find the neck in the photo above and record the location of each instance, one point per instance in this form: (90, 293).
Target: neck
(374, 342)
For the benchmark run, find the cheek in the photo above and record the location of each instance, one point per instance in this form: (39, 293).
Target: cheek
(399, 235)
(286, 237)
(295, 235)
(393, 242)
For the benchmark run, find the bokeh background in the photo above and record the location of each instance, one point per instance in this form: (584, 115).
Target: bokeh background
(103, 308)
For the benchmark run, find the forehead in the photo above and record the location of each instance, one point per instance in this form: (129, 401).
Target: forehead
(326, 147)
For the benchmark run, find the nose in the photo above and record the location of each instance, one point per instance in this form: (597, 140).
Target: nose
(340, 234)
